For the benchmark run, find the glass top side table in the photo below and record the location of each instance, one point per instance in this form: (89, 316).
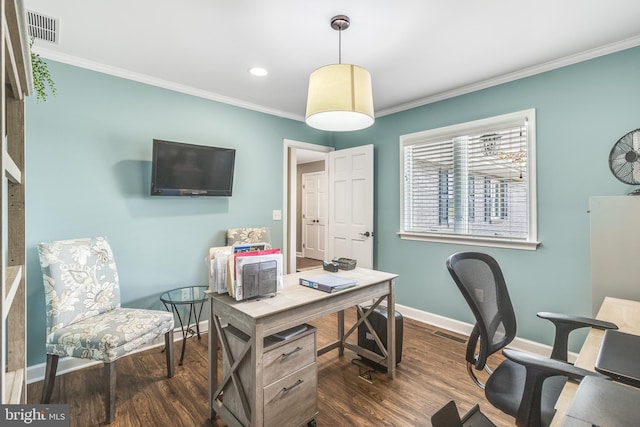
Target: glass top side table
(193, 297)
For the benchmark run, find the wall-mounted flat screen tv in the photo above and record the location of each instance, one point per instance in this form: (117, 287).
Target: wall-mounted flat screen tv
(179, 169)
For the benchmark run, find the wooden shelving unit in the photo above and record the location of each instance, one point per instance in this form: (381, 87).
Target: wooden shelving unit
(17, 83)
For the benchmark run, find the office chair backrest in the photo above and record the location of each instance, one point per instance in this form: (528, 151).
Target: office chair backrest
(80, 280)
(479, 278)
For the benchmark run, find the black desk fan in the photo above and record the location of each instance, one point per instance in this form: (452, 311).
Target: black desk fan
(624, 159)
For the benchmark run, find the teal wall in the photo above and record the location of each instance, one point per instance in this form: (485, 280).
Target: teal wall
(581, 111)
(88, 168)
(88, 174)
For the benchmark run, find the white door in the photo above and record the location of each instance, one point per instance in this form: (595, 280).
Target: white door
(314, 214)
(351, 205)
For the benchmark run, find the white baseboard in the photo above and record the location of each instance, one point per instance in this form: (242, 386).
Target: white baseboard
(35, 373)
(68, 364)
(466, 328)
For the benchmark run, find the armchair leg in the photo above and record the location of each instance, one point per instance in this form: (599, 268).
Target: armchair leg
(49, 378)
(110, 398)
(168, 345)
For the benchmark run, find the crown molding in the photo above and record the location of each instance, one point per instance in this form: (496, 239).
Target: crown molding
(516, 75)
(463, 90)
(165, 84)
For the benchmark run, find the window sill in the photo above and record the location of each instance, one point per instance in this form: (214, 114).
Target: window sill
(474, 241)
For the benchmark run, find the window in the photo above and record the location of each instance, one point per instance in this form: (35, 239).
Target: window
(471, 183)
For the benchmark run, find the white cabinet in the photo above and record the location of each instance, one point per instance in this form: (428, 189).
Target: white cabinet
(16, 84)
(615, 248)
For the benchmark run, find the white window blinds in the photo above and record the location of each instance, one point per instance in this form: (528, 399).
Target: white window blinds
(472, 180)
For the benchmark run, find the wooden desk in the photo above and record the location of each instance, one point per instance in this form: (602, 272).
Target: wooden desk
(625, 314)
(292, 306)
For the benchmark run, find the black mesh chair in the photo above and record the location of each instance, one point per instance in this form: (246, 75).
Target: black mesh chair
(524, 386)
(448, 416)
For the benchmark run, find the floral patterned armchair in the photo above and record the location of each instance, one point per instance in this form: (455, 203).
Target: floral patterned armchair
(236, 236)
(84, 316)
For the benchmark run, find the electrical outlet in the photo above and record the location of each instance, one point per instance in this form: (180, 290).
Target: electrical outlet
(277, 215)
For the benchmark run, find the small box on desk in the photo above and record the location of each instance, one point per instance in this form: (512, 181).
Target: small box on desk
(346, 263)
(378, 320)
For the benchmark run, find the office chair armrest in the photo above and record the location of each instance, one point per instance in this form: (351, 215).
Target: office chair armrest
(565, 324)
(548, 367)
(538, 369)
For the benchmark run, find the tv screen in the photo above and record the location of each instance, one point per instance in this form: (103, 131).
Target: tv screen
(179, 169)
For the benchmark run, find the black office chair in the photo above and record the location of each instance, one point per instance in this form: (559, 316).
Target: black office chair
(448, 416)
(524, 386)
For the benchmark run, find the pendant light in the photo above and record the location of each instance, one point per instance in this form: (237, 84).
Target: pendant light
(340, 96)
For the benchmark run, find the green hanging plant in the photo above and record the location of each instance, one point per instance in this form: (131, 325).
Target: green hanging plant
(41, 76)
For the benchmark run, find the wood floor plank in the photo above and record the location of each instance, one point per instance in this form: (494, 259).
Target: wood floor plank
(432, 371)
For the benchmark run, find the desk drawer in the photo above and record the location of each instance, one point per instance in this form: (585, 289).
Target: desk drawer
(292, 400)
(288, 357)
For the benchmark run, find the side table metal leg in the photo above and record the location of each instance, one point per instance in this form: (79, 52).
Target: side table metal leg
(185, 333)
(174, 309)
(198, 317)
(184, 346)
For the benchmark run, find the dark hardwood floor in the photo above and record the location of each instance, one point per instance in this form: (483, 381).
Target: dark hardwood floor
(307, 263)
(432, 372)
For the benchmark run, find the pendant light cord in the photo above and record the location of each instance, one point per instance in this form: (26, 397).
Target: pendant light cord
(340, 46)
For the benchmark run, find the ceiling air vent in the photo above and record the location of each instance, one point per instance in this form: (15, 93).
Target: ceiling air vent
(42, 27)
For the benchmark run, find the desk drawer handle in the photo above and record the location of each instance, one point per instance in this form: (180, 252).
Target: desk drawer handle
(295, 350)
(288, 389)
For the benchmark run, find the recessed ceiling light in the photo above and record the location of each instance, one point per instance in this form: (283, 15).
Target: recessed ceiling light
(258, 72)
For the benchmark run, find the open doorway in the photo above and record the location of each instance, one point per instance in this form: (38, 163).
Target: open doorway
(350, 202)
(300, 159)
(312, 213)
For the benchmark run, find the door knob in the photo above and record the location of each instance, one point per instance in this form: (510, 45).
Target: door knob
(366, 234)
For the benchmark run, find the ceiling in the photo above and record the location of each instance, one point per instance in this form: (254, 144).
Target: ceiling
(417, 51)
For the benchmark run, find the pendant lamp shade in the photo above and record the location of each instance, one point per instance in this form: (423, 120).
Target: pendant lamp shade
(340, 98)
